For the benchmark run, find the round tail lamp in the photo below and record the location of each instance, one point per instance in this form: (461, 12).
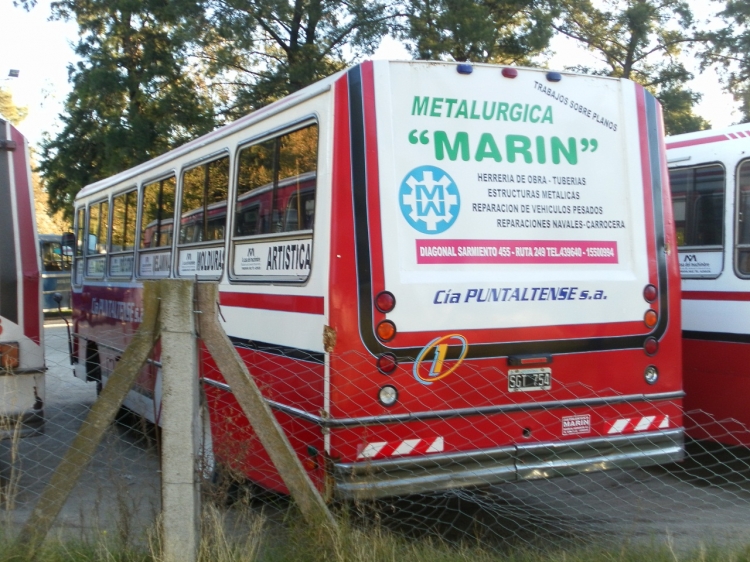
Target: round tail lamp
(651, 346)
(651, 375)
(650, 293)
(650, 318)
(385, 301)
(387, 363)
(386, 330)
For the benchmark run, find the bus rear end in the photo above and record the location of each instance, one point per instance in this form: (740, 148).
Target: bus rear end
(504, 298)
(21, 339)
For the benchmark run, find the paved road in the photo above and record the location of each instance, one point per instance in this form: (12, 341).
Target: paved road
(705, 500)
(118, 492)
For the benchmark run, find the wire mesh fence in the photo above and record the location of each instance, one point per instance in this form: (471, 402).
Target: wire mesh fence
(530, 476)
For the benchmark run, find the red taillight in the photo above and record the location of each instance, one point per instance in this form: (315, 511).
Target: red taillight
(387, 363)
(386, 330)
(385, 301)
(650, 293)
(651, 346)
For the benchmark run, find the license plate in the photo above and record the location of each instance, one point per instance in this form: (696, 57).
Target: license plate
(526, 380)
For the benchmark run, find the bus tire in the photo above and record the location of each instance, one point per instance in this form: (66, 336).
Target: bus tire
(93, 366)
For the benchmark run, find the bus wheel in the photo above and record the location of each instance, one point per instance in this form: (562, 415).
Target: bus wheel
(93, 366)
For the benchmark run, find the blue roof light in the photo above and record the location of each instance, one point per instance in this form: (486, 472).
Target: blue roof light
(465, 68)
(554, 76)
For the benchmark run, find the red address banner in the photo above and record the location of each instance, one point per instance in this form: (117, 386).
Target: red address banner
(515, 251)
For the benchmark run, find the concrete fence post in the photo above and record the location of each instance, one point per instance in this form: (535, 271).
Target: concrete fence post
(179, 417)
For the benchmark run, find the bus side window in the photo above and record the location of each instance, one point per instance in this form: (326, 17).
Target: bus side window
(97, 228)
(276, 184)
(51, 256)
(157, 218)
(124, 209)
(80, 223)
(204, 202)
(698, 205)
(743, 219)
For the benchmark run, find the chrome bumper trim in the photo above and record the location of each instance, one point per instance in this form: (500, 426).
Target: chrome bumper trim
(429, 473)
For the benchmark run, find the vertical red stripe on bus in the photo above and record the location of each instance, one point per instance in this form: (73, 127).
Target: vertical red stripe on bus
(27, 239)
(342, 290)
(373, 183)
(648, 198)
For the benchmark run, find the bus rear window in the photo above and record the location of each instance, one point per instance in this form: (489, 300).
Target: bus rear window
(698, 203)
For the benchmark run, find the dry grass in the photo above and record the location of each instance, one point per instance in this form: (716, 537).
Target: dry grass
(297, 543)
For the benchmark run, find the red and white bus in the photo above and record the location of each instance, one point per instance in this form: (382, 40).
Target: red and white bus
(22, 366)
(441, 275)
(710, 180)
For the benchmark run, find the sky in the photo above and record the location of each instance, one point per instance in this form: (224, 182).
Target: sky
(41, 50)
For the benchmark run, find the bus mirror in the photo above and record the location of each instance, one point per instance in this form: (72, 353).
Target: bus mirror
(57, 297)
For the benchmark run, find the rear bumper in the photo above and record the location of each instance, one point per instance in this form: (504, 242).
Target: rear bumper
(429, 473)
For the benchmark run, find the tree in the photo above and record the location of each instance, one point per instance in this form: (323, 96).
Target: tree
(729, 49)
(134, 95)
(261, 50)
(10, 110)
(640, 40)
(500, 31)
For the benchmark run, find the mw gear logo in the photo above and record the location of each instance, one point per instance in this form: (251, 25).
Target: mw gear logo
(429, 199)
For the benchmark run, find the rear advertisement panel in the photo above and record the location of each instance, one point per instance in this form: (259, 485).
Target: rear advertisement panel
(509, 202)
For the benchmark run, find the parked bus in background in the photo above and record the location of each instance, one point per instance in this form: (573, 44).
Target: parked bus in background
(441, 275)
(22, 364)
(709, 172)
(56, 263)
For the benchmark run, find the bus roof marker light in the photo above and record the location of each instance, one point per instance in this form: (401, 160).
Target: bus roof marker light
(385, 301)
(509, 72)
(388, 395)
(651, 346)
(554, 76)
(650, 318)
(386, 330)
(650, 293)
(464, 68)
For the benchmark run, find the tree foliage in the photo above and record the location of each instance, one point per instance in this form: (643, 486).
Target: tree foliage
(262, 50)
(642, 40)
(502, 31)
(133, 93)
(729, 49)
(10, 110)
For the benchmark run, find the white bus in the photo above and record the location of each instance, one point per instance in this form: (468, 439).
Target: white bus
(710, 180)
(440, 274)
(22, 364)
